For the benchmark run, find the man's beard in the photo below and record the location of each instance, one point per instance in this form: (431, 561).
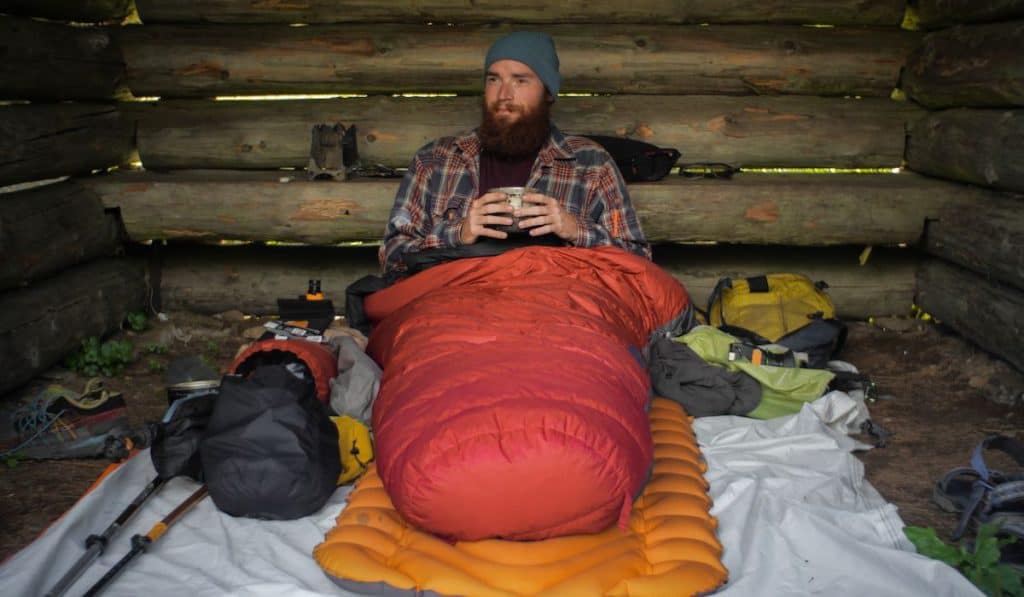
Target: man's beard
(519, 139)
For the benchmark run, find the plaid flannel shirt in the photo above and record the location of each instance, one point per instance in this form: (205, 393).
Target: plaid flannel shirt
(444, 178)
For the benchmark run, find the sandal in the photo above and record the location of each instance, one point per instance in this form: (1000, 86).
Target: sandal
(984, 496)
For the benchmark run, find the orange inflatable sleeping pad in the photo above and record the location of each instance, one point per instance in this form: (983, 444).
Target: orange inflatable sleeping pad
(670, 547)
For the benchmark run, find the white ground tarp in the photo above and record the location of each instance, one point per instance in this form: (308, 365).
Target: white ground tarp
(796, 517)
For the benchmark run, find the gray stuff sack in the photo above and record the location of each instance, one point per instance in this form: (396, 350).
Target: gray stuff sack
(355, 388)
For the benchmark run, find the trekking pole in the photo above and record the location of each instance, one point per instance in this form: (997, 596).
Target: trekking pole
(141, 542)
(96, 544)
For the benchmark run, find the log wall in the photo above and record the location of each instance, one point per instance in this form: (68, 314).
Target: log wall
(832, 12)
(212, 279)
(975, 281)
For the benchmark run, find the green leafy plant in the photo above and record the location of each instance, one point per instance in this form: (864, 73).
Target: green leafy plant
(980, 565)
(109, 358)
(136, 320)
(156, 365)
(154, 348)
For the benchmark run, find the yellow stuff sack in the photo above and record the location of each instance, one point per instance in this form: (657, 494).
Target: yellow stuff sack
(785, 309)
(356, 447)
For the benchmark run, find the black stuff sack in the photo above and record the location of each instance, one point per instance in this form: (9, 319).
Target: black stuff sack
(270, 449)
(175, 443)
(638, 161)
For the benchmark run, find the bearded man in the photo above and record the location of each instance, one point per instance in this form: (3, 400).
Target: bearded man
(580, 198)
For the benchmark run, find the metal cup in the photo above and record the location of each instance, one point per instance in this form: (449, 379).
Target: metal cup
(515, 201)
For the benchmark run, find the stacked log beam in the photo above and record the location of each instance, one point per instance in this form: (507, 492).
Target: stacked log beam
(205, 61)
(51, 61)
(84, 11)
(977, 146)
(804, 210)
(46, 229)
(936, 14)
(42, 323)
(40, 141)
(984, 238)
(742, 131)
(985, 311)
(211, 279)
(832, 12)
(968, 66)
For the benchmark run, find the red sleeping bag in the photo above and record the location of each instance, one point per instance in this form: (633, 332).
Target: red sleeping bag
(514, 397)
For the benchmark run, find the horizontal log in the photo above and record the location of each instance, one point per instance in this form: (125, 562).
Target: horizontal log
(46, 229)
(750, 208)
(776, 131)
(834, 12)
(935, 14)
(40, 141)
(211, 60)
(43, 323)
(977, 146)
(987, 313)
(52, 61)
(211, 279)
(984, 237)
(82, 11)
(972, 66)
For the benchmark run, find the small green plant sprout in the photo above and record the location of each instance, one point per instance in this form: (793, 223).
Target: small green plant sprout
(155, 365)
(212, 348)
(979, 565)
(109, 358)
(155, 348)
(136, 320)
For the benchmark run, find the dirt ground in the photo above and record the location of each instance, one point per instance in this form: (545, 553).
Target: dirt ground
(940, 396)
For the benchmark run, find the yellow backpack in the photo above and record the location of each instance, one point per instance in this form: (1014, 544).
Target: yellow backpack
(785, 309)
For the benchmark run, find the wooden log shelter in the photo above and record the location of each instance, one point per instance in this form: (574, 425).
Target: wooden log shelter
(156, 159)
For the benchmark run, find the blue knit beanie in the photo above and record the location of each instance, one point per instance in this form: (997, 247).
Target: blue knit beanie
(534, 49)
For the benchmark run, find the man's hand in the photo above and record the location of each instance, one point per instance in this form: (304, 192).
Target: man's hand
(486, 211)
(542, 215)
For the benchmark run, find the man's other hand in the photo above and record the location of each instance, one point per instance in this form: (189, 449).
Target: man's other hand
(486, 211)
(545, 215)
